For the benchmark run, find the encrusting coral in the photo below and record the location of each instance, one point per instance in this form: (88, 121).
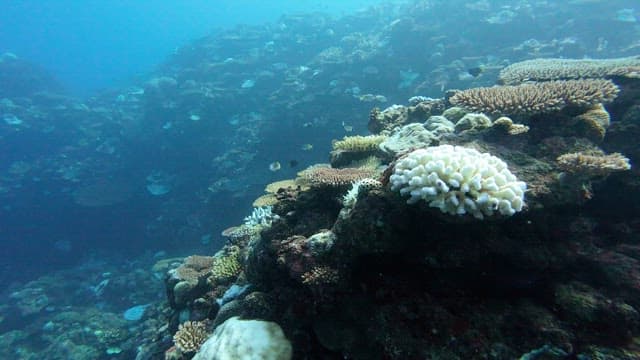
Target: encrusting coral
(593, 164)
(564, 69)
(509, 126)
(321, 275)
(190, 336)
(595, 122)
(536, 98)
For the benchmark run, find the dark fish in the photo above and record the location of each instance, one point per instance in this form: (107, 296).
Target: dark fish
(293, 163)
(475, 71)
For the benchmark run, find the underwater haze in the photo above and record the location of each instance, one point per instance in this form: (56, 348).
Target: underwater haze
(415, 179)
(91, 45)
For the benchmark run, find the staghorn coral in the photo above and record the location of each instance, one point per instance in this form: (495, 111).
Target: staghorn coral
(536, 98)
(564, 69)
(359, 143)
(322, 176)
(593, 164)
(190, 336)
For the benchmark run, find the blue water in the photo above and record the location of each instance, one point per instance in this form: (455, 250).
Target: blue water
(90, 45)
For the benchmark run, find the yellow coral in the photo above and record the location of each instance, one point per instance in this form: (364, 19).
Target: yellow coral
(369, 163)
(190, 336)
(509, 126)
(226, 267)
(358, 143)
(282, 184)
(265, 200)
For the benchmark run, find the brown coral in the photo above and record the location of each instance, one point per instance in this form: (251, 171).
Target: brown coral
(595, 122)
(326, 176)
(564, 69)
(509, 126)
(194, 268)
(593, 164)
(536, 98)
(190, 336)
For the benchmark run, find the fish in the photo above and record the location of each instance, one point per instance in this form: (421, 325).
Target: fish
(293, 163)
(306, 147)
(347, 127)
(275, 166)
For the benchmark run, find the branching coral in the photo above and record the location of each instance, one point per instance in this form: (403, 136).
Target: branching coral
(564, 69)
(593, 164)
(359, 143)
(536, 98)
(190, 336)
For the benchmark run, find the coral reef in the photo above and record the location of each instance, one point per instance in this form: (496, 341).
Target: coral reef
(593, 164)
(408, 137)
(564, 69)
(322, 176)
(595, 122)
(459, 181)
(358, 143)
(190, 336)
(536, 98)
(354, 148)
(246, 339)
(509, 126)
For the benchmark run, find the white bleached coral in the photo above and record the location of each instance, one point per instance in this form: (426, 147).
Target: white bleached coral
(261, 216)
(246, 339)
(459, 181)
